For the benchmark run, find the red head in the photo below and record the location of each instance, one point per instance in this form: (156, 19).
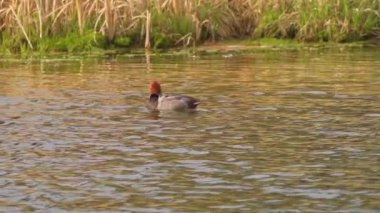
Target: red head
(154, 88)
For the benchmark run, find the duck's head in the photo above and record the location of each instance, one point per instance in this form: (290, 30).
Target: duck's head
(155, 88)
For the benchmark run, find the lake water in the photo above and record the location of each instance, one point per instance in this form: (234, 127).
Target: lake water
(276, 131)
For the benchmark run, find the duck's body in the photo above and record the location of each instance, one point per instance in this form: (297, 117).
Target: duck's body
(158, 101)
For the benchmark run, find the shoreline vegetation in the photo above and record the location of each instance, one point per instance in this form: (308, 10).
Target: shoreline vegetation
(45, 26)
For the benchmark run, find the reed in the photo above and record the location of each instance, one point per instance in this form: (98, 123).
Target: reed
(34, 24)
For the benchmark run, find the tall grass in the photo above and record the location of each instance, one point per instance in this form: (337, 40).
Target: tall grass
(82, 24)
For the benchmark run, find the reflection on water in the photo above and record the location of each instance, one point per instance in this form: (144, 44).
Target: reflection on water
(276, 131)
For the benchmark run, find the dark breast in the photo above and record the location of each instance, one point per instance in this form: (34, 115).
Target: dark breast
(153, 102)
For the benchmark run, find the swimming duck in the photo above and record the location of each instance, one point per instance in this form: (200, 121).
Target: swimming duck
(158, 101)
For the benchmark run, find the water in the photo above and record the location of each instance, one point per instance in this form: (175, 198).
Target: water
(275, 132)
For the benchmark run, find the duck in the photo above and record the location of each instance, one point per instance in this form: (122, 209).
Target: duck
(159, 102)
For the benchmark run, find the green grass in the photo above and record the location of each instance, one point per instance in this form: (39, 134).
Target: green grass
(72, 42)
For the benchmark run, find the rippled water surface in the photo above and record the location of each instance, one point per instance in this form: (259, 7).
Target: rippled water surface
(275, 132)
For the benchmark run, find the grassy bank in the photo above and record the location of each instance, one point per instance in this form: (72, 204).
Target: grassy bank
(77, 25)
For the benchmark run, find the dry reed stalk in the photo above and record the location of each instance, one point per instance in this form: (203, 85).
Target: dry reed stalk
(39, 11)
(53, 10)
(3, 13)
(91, 7)
(186, 39)
(110, 19)
(147, 29)
(78, 5)
(189, 7)
(177, 6)
(61, 12)
(21, 27)
(197, 26)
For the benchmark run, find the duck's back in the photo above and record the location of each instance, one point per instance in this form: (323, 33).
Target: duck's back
(177, 102)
